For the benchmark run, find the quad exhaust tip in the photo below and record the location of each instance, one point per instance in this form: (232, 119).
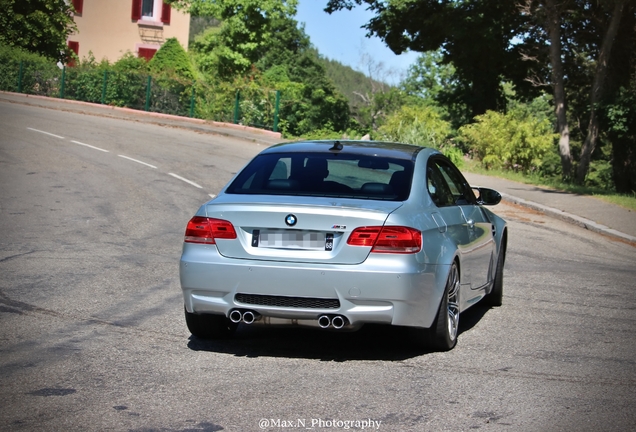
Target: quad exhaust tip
(324, 321)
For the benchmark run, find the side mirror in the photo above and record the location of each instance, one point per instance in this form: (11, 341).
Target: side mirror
(487, 196)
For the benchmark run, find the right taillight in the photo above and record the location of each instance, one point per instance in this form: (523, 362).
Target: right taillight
(387, 239)
(205, 230)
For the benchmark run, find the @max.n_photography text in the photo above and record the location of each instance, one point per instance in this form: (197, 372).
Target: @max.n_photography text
(315, 423)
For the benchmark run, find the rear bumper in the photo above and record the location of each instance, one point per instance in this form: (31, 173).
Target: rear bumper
(388, 289)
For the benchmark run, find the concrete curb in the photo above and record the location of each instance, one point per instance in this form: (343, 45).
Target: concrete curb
(571, 218)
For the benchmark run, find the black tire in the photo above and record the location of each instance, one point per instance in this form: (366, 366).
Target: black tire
(443, 333)
(206, 326)
(495, 297)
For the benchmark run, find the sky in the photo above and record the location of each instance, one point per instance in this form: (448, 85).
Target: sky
(339, 36)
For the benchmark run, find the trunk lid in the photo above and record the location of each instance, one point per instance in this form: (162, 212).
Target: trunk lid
(297, 229)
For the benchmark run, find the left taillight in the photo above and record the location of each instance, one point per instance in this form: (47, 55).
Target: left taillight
(387, 239)
(206, 230)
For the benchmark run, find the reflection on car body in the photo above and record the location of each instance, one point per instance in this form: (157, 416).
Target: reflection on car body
(340, 234)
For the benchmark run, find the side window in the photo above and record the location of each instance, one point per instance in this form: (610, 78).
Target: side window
(437, 187)
(462, 194)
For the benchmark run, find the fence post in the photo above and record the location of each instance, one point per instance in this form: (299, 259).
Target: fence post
(104, 84)
(63, 84)
(236, 107)
(20, 76)
(148, 93)
(192, 103)
(276, 104)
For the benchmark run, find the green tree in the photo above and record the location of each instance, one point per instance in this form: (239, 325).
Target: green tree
(592, 52)
(610, 28)
(172, 59)
(437, 84)
(260, 47)
(549, 13)
(246, 30)
(39, 26)
(310, 100)
(475, 36)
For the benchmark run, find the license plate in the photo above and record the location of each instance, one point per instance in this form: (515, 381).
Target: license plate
(292, 239)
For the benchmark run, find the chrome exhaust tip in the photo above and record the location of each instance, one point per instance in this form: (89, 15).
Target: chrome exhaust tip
(236, 316)
(324, 321)
(338, 322)
(249, 317)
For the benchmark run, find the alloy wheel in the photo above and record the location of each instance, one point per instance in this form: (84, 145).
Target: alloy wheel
(452, 288)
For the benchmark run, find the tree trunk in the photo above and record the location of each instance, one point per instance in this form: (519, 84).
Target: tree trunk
(553, 26)
(597, 92)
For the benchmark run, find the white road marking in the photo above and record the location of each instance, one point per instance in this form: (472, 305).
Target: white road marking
(47, 133)
(138, 161)
(88, 145)
(185, 180)
(212, 195)
(125, 157)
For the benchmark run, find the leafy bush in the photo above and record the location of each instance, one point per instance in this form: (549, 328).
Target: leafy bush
(170, 96)
(85, 81)
(420, 125)
(423, 126)
(172, 83)
(215, 101)
(550, 166)
(600, 175)
(39, 74)
(172, 60)
(509, 141)
(305, 108)
(127, 81)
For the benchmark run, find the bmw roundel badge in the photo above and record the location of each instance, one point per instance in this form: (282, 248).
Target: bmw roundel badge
(291, 220)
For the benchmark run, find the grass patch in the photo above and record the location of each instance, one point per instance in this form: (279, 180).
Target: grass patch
(623, 200)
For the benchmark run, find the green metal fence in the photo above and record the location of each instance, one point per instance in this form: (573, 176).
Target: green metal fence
(249, 106)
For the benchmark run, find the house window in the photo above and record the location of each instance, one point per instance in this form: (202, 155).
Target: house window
(151, 10)
(147, 7)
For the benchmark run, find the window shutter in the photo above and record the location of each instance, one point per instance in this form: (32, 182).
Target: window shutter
(136, 10)
(165, 13)
(79, 6)
(73, 46)
(146, 53)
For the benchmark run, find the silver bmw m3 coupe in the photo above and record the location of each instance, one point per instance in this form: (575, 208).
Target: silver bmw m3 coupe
(337, 234)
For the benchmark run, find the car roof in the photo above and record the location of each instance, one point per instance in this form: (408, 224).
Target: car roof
(369, 148)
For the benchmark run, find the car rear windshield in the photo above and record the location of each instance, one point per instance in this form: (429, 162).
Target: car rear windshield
(311, 174)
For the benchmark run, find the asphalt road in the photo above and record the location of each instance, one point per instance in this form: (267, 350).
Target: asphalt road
(92, 334)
